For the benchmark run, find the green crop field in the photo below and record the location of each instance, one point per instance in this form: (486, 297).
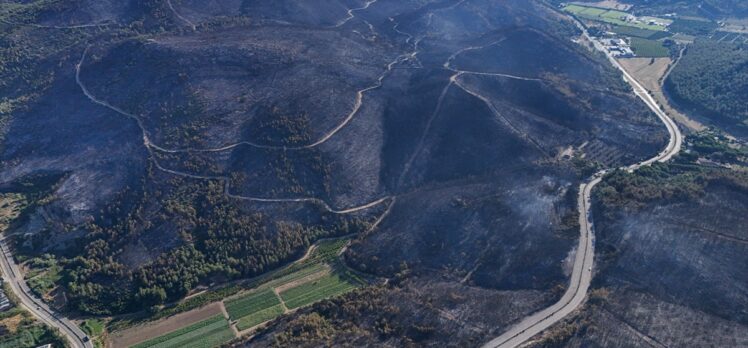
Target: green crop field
(608, 16)
(634, 31)
(648, 48)
(612, 14)
(332, 285)
(251, 304)
(328, 250)
(259, 307)
(693, 27)
(205, 334)
(259, 303)
(592, 11)
(575, 8)
(259, 317)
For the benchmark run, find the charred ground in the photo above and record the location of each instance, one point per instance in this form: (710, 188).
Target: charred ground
(178, 134)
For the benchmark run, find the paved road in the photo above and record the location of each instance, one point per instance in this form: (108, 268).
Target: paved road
(41, 311)
(584, 258)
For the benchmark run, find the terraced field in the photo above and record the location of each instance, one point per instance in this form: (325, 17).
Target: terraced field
(648, 48)
(205, 334)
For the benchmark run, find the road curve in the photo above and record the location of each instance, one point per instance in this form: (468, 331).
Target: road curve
(584, 258)
(75, 336)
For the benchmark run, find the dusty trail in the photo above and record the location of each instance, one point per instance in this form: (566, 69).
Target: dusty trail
(178, 15)
(351, 16)
(351, 115)
(426, 131)
(502, 118)
(484, 99)
(150, 147)
(455, 80)
(583, 263)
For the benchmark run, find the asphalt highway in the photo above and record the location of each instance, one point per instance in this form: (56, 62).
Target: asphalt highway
(581, 275)
(12, 275)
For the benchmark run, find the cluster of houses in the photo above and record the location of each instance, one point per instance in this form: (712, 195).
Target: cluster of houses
(646, 20)
(618, 47)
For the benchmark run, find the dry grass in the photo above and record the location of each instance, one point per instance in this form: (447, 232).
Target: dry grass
(11, 324)
(650, 74)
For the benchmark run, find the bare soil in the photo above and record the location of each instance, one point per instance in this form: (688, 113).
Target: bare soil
(651, 77)
(11, 324)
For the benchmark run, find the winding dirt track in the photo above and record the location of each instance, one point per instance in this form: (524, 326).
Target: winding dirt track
(581, 274)
(182, 18)
(584, 258)
(151, 147)
(352, 16)
(75, 336)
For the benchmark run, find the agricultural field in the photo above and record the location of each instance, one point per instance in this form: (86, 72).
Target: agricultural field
(251, 303)
(254, 309)
(634, 31)
(692, 27)
(260, 317)
(308, 293)
(143, 332)
(648, 48)
(683, 38)
(730, 37)
(609, 16)
(205, 334)
(318, 277)
(736, 25)
(609, 4)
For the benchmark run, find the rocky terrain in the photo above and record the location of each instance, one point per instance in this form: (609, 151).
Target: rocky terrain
(169, 144)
